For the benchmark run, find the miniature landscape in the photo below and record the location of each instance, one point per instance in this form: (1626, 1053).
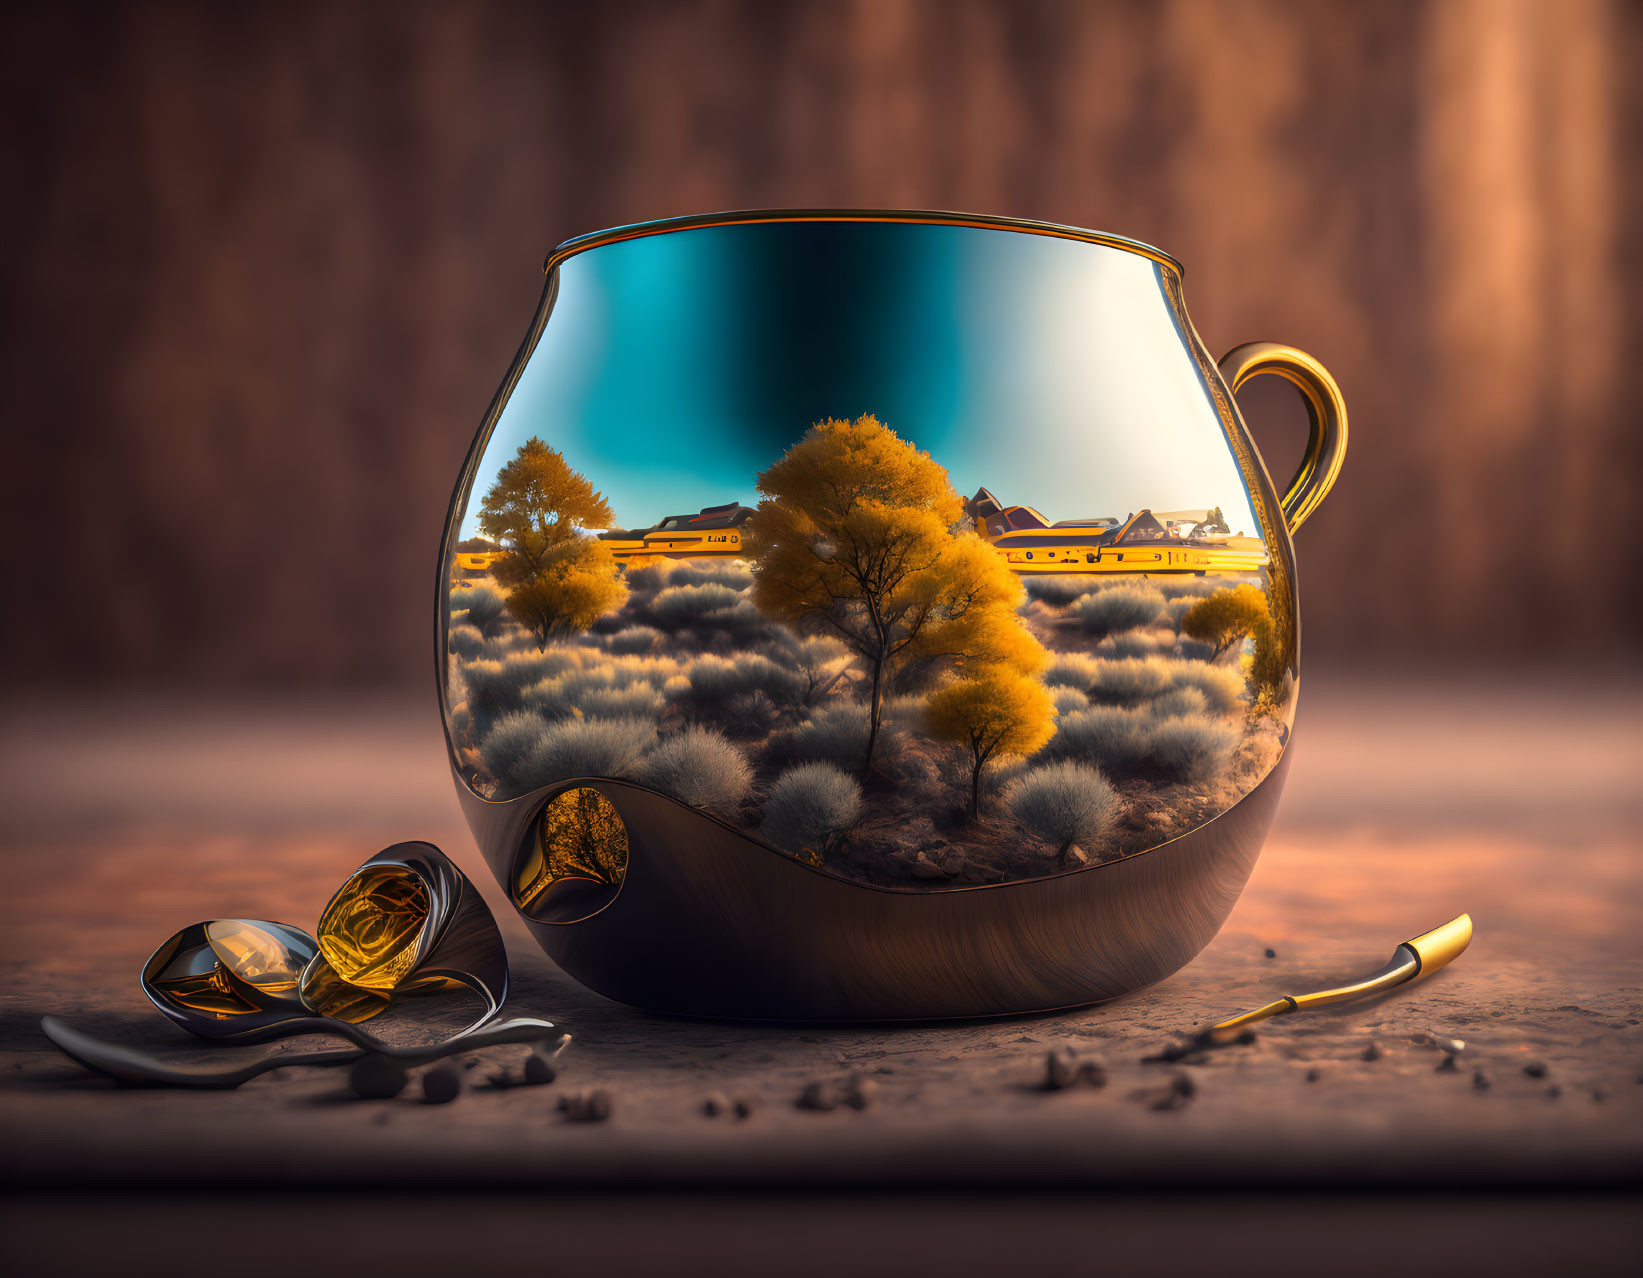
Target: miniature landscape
(857, 679)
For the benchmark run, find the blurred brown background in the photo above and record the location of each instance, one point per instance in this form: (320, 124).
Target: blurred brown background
(265, 266)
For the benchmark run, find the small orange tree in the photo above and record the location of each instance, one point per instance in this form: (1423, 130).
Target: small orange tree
(558, 577)
(994, 711)
(1229, 616)
(858, 535)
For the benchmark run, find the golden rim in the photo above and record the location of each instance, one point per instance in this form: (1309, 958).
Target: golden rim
(918, 217)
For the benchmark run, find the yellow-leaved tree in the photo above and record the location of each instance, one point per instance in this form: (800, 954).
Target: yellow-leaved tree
(857, 535)
(1229, 616)
(558, 577)
(994, 712)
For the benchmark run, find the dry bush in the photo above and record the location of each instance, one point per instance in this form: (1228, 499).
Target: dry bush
(1196, 748)
(699, 767)
(838, 735)
(586, 748)
(820, 660)
(1192, 650)
(1223, 686)
(634, 640)
(741, 620)
(1136, 643)
(1178, 607)
(640, 701)
(811, 807)
(482, 604)
(506, 748)
(613, 688)
(1063, 804)
(1129, 681)
(1058, 591)
(680, 606)
(1068, 701)
(1173, 587)
(1118, 608)
(703, 572)
(716, 681)
(1178, 702)
(1116, 740)
(1072, 670)
(465, 641)
(650, 578)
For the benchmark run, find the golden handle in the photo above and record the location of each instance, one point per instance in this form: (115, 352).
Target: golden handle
(1325, 408)
(1417, 957)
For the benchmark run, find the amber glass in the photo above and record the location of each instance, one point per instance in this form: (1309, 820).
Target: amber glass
(230, 968)
(370, 930)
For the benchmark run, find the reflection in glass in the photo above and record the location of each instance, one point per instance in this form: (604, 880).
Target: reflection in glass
(369, 931)
(579, 836)
(229, 968)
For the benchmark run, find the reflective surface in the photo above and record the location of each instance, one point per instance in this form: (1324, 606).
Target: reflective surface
(923, 553)
(369, 932)
(230, 975)
(407, 921)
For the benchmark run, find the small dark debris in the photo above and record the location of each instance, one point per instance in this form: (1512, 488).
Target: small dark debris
(1447, 1065)
(501, 1080)
(1535, 1069)
(715, 1105)
(1271, 953)
(472, 1062)
(586, 1107)
(1554, 1091)
(1480, 1080)
(1313, 1075)
(1175, 1094)
(539, 1070)
(1599, 1095)
(377, 1077)
(1058, 1071)
(1193, 1051)
(442, 1084)
(743, 1110)
(819, 1097)
(858, 1092)
(1371, 1053)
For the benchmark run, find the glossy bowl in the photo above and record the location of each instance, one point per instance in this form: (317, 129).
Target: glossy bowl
(872, 616)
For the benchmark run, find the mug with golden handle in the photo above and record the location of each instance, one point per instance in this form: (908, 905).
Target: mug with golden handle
(1326, 416)
(872, 615)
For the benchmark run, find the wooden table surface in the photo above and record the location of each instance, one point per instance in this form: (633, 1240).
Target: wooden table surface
(1407, 804)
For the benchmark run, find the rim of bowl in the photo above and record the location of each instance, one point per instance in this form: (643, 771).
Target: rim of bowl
(920, 217)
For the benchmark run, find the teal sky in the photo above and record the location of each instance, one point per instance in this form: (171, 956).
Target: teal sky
(676, 367)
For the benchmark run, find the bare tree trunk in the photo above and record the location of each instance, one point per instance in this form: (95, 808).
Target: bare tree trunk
(875, 709)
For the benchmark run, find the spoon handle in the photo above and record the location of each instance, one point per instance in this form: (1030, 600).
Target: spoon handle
(130, 1065)
(347, 1029)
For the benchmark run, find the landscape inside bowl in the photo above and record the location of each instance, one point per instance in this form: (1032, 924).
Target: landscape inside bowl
(866, 670)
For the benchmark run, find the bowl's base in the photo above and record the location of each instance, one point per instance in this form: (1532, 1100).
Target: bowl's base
(708, 923)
